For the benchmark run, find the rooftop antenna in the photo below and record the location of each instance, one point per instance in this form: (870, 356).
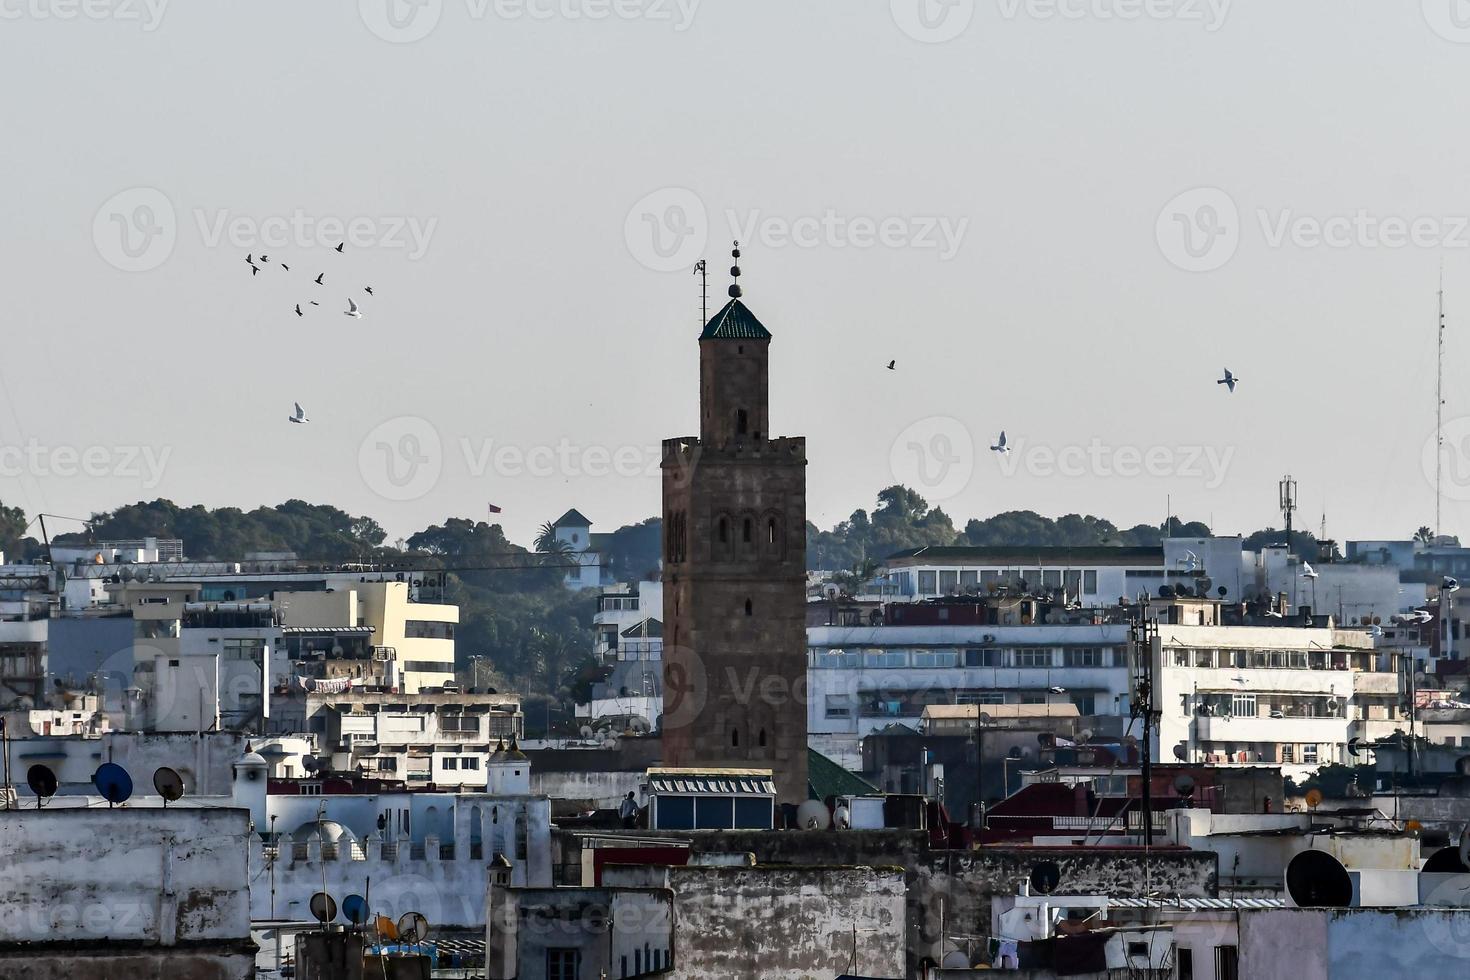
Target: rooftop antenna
(701, 269)
(1288, 504)
(735, 290)
(1439, 408)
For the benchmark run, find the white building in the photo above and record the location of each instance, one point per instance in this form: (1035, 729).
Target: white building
(1293, 696)
(575, 531)
(862, 679)
(443, 740)
(1096, 575)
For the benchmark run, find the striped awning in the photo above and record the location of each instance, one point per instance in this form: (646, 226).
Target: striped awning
(710, 785)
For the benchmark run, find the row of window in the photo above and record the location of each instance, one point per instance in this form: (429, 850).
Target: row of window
(947, 581)
(424, 629)
(972, 657)
(1286, 659)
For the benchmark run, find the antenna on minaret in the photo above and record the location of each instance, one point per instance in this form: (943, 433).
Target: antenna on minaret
(1439, 408)
(735, 290)
(702, 271)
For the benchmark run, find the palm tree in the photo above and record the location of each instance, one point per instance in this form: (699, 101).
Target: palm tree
(553, 550)
(1424, 535)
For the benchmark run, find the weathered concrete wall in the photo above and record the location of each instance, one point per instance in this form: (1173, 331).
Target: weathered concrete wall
(573, 792)
(787, 922)
(110, 961)
(446, 881)
(1354, 944)
(956, 886)
(163, 876)
(203, 760)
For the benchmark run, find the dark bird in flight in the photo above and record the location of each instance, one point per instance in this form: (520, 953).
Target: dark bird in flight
(285, 266)
(298, 309)
(255, 270)
(319, 278)
(1228, 381)
(890, 365)
(368, 290)
(339, 245)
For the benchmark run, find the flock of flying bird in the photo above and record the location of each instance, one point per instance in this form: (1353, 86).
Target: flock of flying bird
(256, 261)
(1229, 381)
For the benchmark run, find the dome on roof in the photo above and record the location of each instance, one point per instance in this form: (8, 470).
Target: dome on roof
(252, 759)
(330, 830)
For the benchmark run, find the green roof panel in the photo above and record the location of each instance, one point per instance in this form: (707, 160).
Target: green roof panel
(735, 322)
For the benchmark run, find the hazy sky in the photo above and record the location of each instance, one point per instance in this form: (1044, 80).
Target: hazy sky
(1063, 219)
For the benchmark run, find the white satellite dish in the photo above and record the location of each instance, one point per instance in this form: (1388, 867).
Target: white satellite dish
(813, 815)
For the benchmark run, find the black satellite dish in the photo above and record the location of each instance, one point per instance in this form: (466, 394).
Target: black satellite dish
(1181, 752)
(113, 782)
(1045, 877)
(169, 783)
(42, 782)
(1446, 860)
(323, 907)
(1316, 879)
(1165, 592)
(1184, 784)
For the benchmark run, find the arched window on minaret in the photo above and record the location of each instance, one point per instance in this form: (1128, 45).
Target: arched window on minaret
(749, 609)
(735, 738)
(742, 419)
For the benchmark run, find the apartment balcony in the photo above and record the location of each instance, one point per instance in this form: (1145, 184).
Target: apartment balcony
(1376, 683)
(1243, 729)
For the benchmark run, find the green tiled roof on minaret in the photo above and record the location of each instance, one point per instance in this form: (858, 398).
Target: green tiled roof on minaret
(734, 322)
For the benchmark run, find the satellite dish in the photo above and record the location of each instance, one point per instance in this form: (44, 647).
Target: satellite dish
(1446, 860)
(587, 731)
(842, 817)
(1045, 877)
(113, 782)
(42, 782)
(813, 815)
(1085, 735)
(1316, 879)
(1314, 798)
(323, 907)
(355, 909)
(412, 927)
(310, 763)
(1184, 784)
(169, 783)
(1181, 752)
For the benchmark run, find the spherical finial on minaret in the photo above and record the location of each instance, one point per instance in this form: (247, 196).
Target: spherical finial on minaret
(735, 290)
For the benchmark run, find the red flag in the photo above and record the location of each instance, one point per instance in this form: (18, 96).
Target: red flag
(493, 508)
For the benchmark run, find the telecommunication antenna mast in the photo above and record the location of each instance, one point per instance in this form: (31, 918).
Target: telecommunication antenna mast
(1288, 504)
(702, 271)
(1439, 407)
